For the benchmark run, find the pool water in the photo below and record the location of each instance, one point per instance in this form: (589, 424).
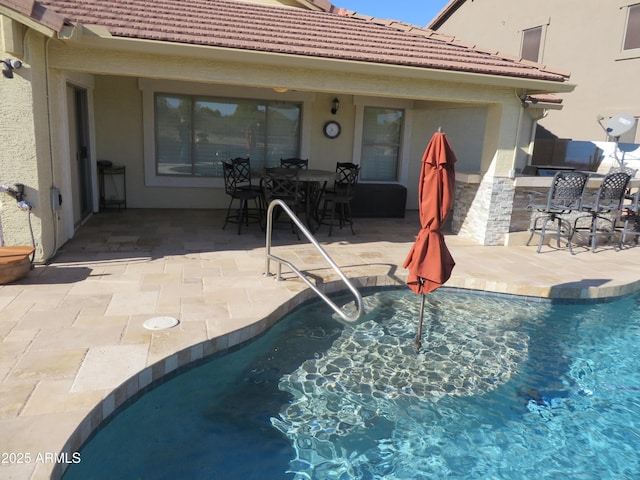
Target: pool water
(502, 389)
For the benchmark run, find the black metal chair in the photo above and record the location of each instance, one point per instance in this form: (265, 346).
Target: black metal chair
(563, 197)
(338, 199)
(242, 170)
(306, 189)
(605, 206)
(237, 187)
(283, 186)
(244, 178)
(630, 218)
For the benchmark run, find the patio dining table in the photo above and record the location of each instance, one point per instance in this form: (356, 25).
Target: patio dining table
(315, 181)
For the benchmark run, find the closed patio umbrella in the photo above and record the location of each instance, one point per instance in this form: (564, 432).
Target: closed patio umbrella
(429, 261)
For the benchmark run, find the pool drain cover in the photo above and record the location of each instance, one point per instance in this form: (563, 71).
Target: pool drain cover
(160, 323)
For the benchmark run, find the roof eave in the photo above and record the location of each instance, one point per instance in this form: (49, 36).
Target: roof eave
(99, 37)
(48, 29)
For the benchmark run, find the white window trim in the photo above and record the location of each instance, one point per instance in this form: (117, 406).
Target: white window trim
(149, 87)
(405, 142)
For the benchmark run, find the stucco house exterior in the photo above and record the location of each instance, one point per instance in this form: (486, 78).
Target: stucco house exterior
(169, 89)
(598, 42)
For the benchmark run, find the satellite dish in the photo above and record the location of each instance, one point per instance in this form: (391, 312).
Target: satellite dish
(619, 125)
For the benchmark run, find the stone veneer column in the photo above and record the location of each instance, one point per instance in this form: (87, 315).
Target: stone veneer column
(483, 212)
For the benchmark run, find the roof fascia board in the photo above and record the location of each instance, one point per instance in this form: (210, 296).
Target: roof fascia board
(27, 21)
(21, 6)
(311, 5)
(444, 14)
(98, 38)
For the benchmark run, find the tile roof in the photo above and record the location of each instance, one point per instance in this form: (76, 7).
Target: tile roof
(336, 33)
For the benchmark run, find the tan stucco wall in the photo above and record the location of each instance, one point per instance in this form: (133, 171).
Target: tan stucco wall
(583, 37)
(25, 150)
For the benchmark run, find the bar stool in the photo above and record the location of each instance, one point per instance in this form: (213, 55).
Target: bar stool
(339, 198)
(239, 190)
(563, 197)
(603, 207)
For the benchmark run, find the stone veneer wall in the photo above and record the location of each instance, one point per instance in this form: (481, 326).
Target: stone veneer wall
(464, 198)
(502, 196)
(521, 215)
(483, 212)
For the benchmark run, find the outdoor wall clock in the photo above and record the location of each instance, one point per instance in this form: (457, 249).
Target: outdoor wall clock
(332, 129)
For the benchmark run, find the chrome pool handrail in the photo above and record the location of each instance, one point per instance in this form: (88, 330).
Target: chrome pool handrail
(281, 261)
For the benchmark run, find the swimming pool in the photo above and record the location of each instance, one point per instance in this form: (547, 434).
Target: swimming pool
(503, 388)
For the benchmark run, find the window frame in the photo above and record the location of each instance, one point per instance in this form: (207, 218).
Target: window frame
(151, 87)
(635, 8)
(632, 53)
(540, 29)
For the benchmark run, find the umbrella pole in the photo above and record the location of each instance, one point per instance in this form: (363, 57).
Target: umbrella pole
(419, 335)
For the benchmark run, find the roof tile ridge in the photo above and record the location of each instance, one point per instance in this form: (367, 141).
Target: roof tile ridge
(397, 24)
(450, 39)
(498, 54)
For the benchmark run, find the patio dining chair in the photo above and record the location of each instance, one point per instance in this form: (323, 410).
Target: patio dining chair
(283, 186)
(239, 190)
(305, 188)
(563, 197)
(603, 208)
(337, 200)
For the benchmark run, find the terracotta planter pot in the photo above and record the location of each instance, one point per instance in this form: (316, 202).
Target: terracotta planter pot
(14, 263)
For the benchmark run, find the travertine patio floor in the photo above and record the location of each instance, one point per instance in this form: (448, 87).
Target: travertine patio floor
(73, 346)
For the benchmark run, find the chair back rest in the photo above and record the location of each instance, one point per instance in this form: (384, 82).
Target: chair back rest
(630, 171)
(612, 192)
(281, 186)
(566, 191)
(242, 171)
(347, 177)
(230, 183)
(294, 163)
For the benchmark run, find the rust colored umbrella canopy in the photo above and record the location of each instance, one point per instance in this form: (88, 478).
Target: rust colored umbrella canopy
(429, 261)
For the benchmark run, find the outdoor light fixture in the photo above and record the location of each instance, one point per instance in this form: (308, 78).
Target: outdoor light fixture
(527, 100)
(9, 66)
(17, 192)
(335, 105)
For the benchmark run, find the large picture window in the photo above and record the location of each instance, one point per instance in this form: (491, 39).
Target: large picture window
(194, 134)
(381, 141)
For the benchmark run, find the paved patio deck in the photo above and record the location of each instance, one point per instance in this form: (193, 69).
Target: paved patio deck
(73, 346)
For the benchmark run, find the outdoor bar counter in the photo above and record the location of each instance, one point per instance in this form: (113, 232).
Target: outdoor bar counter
(510, 212)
